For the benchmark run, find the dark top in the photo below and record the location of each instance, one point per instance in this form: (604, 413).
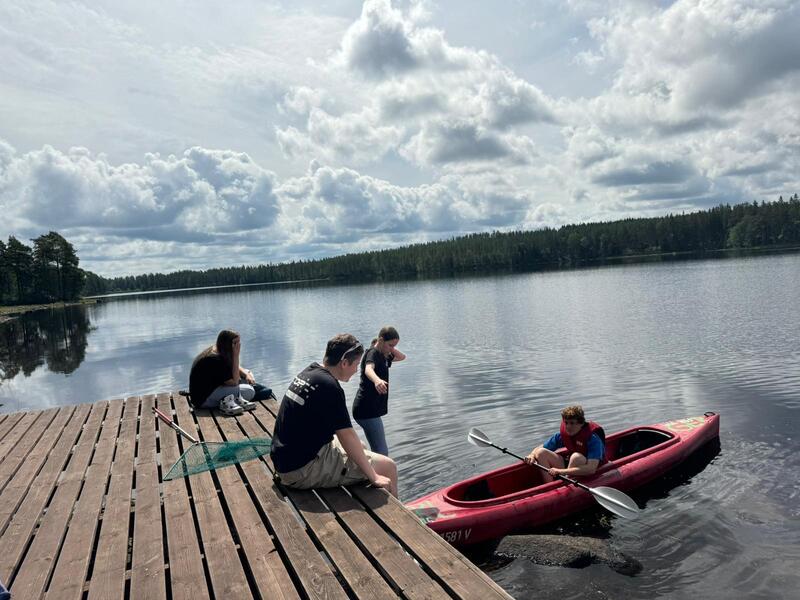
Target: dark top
(311, 411)
(207, 374)
(369, 403)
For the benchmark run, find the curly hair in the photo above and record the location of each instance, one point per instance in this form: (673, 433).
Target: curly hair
(573, 412)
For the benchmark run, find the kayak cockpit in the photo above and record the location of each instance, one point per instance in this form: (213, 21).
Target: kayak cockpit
(521, 480)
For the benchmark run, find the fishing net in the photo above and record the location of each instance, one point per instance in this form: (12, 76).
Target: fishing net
(206, 456)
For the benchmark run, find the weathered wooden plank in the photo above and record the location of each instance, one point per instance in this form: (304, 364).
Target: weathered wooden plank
(8, 423)
(315, 576)
(147, 571)
(20, 431)
(31, 579)
(270, 575)
(35, 492)
(71, 568)
(227, 576)
(363, 578)
(21, 451)
(111, 558)
(454, 571)
(32, 458)
(186, 575)
(404, 573)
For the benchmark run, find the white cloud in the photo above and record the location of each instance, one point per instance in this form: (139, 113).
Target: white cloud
(354, 137)
(448, 104)
(453, 141)
(200, 193)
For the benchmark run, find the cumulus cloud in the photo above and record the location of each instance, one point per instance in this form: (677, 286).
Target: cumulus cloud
(202, 192)
(702, 92)
(695, 57)
(452, 141)
(378, 44)
(445, 104)
(354, 137)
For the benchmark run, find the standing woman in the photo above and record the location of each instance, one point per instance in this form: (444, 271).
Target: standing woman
(217, 380)
(372, 398)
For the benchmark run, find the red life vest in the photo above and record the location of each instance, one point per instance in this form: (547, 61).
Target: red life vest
(580, 441)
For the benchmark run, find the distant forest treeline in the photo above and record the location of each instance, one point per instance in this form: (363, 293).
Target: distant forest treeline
(719, 228)
(47, 272)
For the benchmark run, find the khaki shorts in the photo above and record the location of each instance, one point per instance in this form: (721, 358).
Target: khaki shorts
(331, 467)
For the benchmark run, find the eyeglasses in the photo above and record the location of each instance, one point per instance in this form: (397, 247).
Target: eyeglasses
(346, 352)
(572, 422)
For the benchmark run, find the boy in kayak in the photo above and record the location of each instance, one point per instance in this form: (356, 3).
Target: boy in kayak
(584, 441)
(314, 443)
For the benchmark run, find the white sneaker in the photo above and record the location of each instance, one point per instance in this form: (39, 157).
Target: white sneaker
(245, 404)
(229, 407)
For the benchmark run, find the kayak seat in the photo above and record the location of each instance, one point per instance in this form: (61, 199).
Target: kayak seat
(627, 445)
(634, 442)
(478, 491)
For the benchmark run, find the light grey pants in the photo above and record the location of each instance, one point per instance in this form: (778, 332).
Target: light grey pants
(244, 390)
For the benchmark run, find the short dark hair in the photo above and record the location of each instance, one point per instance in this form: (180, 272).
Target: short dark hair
(342, 346)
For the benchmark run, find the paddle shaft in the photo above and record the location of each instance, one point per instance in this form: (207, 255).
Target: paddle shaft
(543, 468)
(166, 418)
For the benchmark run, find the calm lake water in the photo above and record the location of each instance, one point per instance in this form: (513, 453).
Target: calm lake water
(633, 344)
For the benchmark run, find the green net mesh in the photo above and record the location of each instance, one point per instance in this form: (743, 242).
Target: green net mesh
(205, 456)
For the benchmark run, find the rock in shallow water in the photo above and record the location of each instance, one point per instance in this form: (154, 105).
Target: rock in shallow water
(567, 551)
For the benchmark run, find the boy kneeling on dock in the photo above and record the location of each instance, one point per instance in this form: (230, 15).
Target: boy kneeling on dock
(585, 444)
(314, 443)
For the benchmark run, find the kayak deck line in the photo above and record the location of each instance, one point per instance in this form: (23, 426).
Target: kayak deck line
(84, 510)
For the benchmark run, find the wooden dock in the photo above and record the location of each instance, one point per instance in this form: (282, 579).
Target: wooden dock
(84, 514)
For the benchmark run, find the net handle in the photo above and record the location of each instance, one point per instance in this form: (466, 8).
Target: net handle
(168, 420)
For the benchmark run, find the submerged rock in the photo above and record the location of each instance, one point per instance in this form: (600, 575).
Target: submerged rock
(567, 551)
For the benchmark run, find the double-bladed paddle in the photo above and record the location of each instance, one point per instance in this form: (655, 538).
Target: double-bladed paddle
(613, 500)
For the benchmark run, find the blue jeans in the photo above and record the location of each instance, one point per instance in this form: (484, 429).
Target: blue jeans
(373, 429)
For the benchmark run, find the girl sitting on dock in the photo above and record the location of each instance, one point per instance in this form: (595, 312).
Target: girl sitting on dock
(217, 380)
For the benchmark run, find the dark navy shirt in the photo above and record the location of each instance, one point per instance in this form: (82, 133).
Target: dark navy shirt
(368, 403)
(311, 411)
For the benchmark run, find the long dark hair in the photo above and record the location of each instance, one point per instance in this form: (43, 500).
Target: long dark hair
(387, 334)
(223, 347)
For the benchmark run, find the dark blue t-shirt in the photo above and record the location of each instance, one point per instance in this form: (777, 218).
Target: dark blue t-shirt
(368, 403)
(311, 411)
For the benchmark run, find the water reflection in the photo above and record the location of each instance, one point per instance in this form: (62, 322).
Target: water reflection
(56, 338)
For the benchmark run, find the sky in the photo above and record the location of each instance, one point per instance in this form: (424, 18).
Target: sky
(175, 134)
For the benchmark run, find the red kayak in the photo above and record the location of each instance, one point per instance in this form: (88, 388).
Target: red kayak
(494, 504)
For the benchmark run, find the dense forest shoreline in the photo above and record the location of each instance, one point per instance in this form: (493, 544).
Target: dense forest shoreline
(606, 262)
(724, 228)
(49, 273)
